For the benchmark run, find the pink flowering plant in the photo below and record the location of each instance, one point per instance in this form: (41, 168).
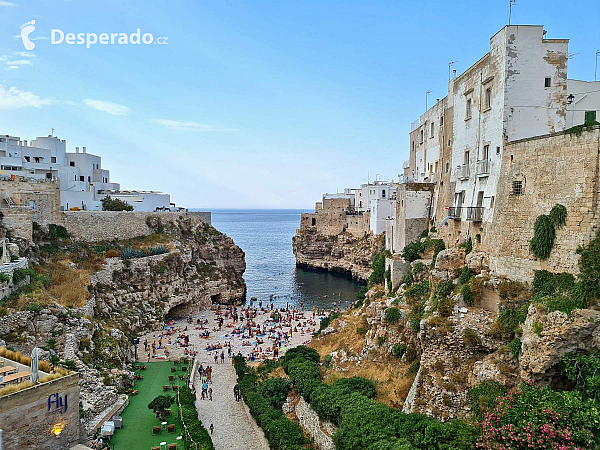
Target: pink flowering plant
(535, 417)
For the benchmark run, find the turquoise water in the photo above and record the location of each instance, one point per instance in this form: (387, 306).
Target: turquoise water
(266, 237)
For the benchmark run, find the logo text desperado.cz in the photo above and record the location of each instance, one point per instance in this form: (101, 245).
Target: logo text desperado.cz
(89, 39)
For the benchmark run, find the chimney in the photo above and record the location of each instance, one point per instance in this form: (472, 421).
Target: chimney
(76, 149)
(453, 73)
(25, 143)
(84, 149)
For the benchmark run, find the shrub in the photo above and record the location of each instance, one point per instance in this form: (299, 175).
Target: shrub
(445, 288)
(543, 237)
(537, 417)
(468, 246)
(558, 214)
(275, 390)
(392, 315)
(110, 204)
(4, 278)
(465, 275)
(189, 416)
(398, 350)
(483, 397)
(58, 231)
(465, 290)
(302, 353)
(417, 290)
(537, 328)
(326, 321)
(515, 347)
(20, 274)
(584, 372)
(378, 266)
(470, 337)
(589, 268)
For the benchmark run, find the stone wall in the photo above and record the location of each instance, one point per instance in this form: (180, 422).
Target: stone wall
(28, 418)
(358, 224)
(397, 268)
(412, 212)
(18, 222)
(556, 169)
(320, 431)
(42, 198)
(107, 225)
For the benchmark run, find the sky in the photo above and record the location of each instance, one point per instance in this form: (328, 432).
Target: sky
(252, 103)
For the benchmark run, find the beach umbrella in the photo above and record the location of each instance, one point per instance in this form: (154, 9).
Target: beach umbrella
(35, 365)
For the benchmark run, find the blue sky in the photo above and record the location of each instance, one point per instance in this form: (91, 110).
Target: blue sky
(253, 103)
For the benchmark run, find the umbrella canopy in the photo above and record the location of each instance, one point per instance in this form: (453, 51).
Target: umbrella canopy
(35, 365)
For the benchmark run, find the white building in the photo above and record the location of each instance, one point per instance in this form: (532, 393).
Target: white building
(584, 106)
(348, 193)
(83, 181)
(378, 197)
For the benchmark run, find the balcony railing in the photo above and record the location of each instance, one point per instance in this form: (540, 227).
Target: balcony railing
(483, 167)
(474, 213)
(454, 212)
(463, 172)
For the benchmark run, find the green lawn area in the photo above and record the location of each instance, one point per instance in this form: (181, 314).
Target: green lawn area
(138, 420)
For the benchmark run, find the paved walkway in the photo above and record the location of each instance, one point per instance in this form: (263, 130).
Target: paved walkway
(235, 429)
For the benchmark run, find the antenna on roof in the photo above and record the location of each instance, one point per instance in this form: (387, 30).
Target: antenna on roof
(52, 134)
(510, 5)
(450, 64)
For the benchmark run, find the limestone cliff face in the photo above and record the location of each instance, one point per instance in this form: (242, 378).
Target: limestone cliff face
(341, 253)
(205, 267)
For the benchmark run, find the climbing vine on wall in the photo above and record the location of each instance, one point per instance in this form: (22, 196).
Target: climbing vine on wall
(544, 231)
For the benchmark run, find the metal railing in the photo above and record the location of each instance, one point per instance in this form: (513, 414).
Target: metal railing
(483, 167)
(463, 172)
(454, 212)
(475, 213)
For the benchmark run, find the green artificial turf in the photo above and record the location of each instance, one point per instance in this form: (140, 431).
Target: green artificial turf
(138, 420)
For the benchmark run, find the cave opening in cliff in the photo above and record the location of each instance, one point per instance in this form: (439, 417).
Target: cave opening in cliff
(216, 298)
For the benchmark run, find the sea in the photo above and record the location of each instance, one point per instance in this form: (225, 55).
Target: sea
(265, 235)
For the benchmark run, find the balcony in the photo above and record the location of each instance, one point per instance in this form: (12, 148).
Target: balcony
(454, 212)
(474, 213)
(483, 168)
(463, 172)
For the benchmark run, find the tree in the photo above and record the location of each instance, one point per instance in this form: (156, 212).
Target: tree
(115, 204)
(159, 404)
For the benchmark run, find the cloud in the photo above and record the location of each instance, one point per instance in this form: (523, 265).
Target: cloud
(4, 3)
(26, 54)
(13, 98)
(20, 62)
(189, 126)
(108, 107)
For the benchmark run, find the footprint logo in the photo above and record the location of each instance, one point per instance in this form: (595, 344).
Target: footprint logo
(26, 30)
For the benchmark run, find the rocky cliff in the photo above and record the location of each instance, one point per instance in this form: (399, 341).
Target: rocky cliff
(86, 300)
(342, 253)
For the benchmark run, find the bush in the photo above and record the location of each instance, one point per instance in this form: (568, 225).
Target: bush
(417, 290)
(300, 352)
(110, 204)
(20, 274)
(392, 315)
(468, 246)
(58, 231)
(465, 275)
(326, 321)
(589, 268)
(281, 433)
(534, 414)
(558, 214)
(465, 290)
(543, 237)
(398, 350)
(445, 288)
(484, 397)
(584, 372)
(515, 347)
(189, 416)
(275, 390)
(378, 266)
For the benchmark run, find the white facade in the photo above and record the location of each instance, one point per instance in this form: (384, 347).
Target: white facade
(382, 204)
(83, 181)
(585, 102)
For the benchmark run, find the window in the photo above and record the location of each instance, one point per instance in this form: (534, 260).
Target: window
(547, 82)
(72, 163)
(27, 158)
(492, 201)
(421, 136)
(441, 121)
(81, 178)
(590, 116)
(413, 142)
(488, 98)
(314, 221)
(448, 142)
(53, 159)
(447, 166)
(468, 112)
(497, 150)
(466, 159)
(486, 153)
(432, 125)
(89, 179)
(383, 194)
(517, 188)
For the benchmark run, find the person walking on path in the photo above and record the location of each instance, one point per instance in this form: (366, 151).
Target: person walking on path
(236, 393)
(212, 428)
(210, 394)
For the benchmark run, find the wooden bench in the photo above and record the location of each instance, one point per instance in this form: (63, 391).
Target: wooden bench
(171, 377)
(166, 387)
(175, 387)
(156, 429)
(172, 447)
(6, 370)
(171, 428)
(15, 377)
(173, 369)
